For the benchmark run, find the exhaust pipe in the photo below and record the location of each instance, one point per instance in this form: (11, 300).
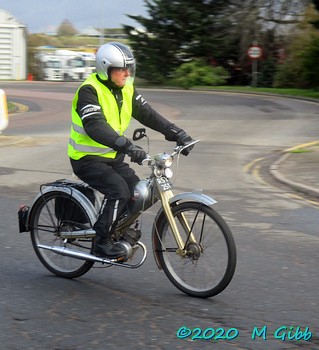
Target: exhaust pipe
(85, 256)
(76, 254)
(87, 233)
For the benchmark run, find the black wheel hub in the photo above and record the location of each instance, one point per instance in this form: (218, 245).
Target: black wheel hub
(193, 251)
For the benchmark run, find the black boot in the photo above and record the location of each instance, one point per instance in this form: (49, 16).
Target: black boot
(107, 248)
(104, 246)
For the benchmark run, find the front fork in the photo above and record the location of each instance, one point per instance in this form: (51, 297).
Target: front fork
(165, 197)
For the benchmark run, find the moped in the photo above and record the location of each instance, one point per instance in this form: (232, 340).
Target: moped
(191, 242)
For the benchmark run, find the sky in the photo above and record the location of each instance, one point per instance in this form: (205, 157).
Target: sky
(44, 16)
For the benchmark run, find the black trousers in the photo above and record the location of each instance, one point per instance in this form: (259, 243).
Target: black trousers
(112, 177)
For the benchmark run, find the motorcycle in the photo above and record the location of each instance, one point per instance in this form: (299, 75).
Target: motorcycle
(191, 242)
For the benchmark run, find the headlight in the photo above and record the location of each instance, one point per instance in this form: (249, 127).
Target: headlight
(168, 173)
(163, 160)
(158, 172)
(168, 162)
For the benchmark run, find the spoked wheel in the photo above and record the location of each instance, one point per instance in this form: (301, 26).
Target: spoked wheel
(53, 213)
(207, 263)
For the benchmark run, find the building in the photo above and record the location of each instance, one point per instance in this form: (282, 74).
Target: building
(91, 31)
(13, 48)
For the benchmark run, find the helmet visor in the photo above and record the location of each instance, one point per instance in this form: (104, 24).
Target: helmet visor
(127, 59)
(129, 69)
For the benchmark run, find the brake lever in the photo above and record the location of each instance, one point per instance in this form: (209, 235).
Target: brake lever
(148, 159)
(179, 149)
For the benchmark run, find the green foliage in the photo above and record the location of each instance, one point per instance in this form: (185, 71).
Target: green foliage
(197, 73)
(307, 93)
(177, 31)
(35, 40)
(220, 32)
(289, 74)
(315, 20)
(300, 150)
(267, 72)
(217, 32)
(310, 63)
(300, 69)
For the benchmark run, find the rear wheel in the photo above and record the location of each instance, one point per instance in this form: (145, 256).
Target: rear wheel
(207, 263)
(53, 213)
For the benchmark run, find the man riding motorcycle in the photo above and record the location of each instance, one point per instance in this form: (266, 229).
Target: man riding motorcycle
(102, 109)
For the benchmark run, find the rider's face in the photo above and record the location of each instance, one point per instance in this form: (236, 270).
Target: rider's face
(119, 76)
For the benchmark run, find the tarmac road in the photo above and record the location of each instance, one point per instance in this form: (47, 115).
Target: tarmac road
(276, 281)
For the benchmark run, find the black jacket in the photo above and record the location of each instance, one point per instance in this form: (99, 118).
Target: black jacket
(95, 120)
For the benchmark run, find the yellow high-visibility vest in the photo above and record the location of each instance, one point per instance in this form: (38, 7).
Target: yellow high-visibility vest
(80, 144)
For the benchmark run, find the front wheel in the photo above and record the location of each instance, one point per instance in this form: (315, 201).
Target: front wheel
(207, 262)
(53, 213)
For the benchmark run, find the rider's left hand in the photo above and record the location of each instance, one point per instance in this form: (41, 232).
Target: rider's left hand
(174, 133)
(182, 139)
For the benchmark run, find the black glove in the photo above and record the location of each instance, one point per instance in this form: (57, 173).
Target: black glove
(182, 139)
(124, 145)
(171, 132)
(174, 133)
(136, 153)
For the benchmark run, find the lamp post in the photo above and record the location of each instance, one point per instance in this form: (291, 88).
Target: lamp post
(101, 17)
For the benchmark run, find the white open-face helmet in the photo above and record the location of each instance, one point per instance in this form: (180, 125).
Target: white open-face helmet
(114, 55)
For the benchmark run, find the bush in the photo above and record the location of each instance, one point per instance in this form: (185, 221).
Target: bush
(289, 75)
(197, 73)
(300, 70)
(309, 63)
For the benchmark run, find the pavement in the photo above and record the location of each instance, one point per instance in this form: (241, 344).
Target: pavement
(298, 167)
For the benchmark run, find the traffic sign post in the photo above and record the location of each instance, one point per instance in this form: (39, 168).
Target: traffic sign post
(254, 52)
(3, 111)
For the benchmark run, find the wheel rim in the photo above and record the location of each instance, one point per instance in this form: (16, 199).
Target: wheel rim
(205, 265)
(53, 215)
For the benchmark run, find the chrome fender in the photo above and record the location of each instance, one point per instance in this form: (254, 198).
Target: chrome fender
(196, 196)
(79, 196)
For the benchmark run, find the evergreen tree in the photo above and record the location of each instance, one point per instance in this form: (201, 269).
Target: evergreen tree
(315, 22)
(177, 31)
(218, 32)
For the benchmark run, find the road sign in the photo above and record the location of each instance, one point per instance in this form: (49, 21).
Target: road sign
(255, 52)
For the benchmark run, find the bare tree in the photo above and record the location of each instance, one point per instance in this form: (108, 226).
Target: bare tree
(282, 11)
(66, 28)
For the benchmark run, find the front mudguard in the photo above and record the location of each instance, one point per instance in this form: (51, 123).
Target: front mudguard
(179, 198)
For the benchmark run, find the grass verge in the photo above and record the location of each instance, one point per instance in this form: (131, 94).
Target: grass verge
(308, 93)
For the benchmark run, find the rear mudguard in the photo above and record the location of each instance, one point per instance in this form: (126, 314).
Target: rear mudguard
(179, 198)
(79, 196)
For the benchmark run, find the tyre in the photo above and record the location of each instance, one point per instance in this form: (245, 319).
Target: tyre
(207, 264)
(53, 212)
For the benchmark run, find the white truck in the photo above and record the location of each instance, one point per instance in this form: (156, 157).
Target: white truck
(73, 65)
(67, 65)
(51, 68)
(89, 59)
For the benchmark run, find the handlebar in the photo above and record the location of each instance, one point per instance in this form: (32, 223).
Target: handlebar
(149, 158)
(177, 150)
